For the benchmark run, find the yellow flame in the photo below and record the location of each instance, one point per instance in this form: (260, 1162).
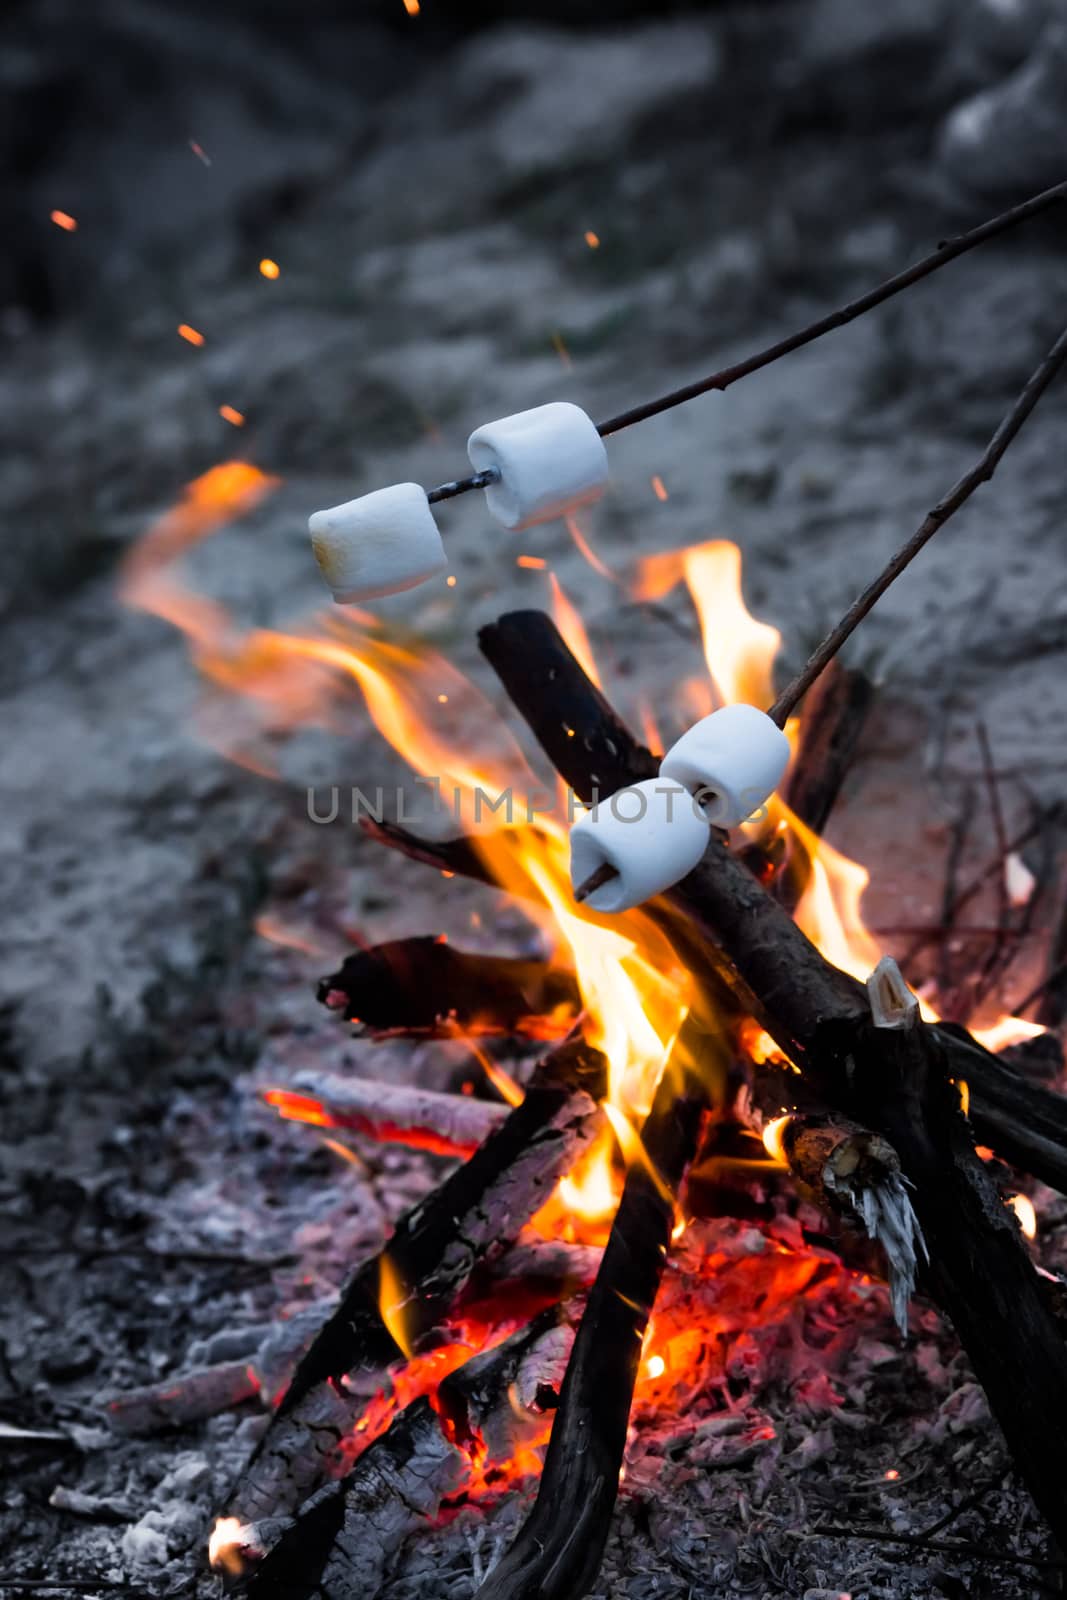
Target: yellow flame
(393, 1299)
(228, 1540)
(572, 628)
(1008, 1031)
(772, 1137)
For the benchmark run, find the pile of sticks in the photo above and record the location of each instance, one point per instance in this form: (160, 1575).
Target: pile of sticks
(878, 1130)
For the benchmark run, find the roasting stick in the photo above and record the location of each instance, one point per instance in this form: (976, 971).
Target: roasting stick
(980, 473)
(947, 251)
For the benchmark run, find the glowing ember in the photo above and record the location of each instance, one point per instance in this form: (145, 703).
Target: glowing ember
(659, 488)
(535, 563)
(591, 239)
(64, 220)
(199, 153)
(412, 7)
(190, 335)
(231, 415)
(269, 268)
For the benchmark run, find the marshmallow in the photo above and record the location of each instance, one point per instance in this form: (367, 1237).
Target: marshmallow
(379, 544)
(731, 761)
(550, 460)
(652, 833)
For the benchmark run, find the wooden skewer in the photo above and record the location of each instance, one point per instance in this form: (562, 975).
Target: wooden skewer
(596, 880)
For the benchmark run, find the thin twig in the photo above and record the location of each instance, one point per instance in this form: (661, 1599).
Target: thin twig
(925, 936)
(947, 251)
(988, 973)
(980, 473)
(918, 1541)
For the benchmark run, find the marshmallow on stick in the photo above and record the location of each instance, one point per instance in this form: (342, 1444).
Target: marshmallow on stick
(639, 843)
(380, 544)
(548, 461)
(732, 761)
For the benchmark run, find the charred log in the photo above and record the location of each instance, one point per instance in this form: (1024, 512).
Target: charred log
(345, 1539)
(559, 1549)
(426, 985)
(835, 714)
(443, 1124)
(982, 1276)
(470, 1218)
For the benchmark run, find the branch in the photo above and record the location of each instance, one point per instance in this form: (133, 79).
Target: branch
(945, 252)
(558, 1550)
(980, 473)
(435, 1247)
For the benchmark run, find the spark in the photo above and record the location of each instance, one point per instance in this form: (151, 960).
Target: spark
(659, 488)
(412, 7)
(199, 152)
(451, 580)
(442, 699)
(535, 562)
(269, 268)
(562, 351)
(190, 335)
(64, 220)
(892, 1475)
(592, 239)
(231, 415)
(655, 1366)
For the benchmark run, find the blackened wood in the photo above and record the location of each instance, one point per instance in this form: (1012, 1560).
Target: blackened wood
(469, 1218)
(818, 1015)
(425, 985)
(979, 1270)
(346, 1538)
(586, 741)
(835, 714)
(734, 936)
(1053, 1008)
(558, 1551)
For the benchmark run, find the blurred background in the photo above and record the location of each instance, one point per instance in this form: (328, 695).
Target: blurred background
(328, 239)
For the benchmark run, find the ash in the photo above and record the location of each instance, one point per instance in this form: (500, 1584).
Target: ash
(427, 197)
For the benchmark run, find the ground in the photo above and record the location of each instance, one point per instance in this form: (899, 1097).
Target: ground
(435, 271)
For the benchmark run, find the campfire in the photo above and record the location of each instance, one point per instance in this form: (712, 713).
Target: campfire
(666, 1105)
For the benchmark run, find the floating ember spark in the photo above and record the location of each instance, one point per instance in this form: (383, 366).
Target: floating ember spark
(199, 152)
(592, 239)
(412, 7)
(659, 488)
(451, 580)
(64, 220)
(562, 351)
(269, 268)
(535, 563)
(231, 415)
(189, 334)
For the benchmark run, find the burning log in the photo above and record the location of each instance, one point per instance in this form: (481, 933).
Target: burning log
(444, 1124)
(489, 1412)
(734, 935)
(558, 1550)
(899, 1086)
(406, 1291)
(843, 1166)
(835, 714)
(425, 985)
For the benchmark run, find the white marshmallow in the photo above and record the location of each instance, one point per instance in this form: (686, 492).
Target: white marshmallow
(550, 460)
(379, 544)
(652, 833)
(733, 761)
